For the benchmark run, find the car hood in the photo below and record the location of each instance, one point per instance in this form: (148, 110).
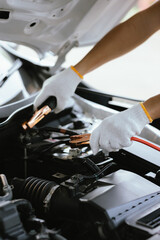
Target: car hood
(49, 26)
(59, 25)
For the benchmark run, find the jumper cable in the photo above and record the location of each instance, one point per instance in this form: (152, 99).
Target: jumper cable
(83, 139)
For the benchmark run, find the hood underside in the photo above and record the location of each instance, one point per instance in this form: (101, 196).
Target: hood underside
(54, 25)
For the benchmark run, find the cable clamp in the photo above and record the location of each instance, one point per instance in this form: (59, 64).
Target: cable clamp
(47, 199)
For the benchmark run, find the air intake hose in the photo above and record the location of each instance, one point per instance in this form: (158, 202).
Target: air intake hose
(49, 199)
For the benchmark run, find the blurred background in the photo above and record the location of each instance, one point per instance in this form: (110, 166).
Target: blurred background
(135, 75)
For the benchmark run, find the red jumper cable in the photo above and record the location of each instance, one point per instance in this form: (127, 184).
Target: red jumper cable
(83, 139)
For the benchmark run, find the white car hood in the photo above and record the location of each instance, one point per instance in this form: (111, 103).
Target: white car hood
(57, 25)
(51, 26)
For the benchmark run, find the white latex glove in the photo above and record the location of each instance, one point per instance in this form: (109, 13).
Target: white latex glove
(115, 132)
(62, 86)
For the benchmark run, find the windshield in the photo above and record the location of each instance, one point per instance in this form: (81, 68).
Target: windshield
(134, 75)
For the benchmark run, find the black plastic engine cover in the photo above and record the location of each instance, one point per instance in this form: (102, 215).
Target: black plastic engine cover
(121, 194)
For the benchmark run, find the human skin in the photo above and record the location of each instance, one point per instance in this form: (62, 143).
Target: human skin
(122, 39)
(153, 106)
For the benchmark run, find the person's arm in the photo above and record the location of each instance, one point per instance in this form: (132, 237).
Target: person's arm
(119, 41)
(116, 132)
(153, 106)
(122, 39)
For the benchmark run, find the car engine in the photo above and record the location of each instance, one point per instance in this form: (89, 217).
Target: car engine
(53, 189)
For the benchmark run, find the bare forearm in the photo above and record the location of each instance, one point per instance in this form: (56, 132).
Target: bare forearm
(122, 39)
(153, 106)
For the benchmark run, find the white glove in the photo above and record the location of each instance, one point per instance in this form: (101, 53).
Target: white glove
(115, 132)
(62, 86)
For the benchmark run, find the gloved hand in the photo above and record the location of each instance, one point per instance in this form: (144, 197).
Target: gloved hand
(115, 132)
(62, 86)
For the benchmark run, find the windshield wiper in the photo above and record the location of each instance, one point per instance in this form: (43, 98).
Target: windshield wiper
(4, 76)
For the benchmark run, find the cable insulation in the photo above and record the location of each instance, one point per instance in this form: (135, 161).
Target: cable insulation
(146, 143)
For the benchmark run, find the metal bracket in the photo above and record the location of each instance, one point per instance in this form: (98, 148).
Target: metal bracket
(47, 199)
(61, 56)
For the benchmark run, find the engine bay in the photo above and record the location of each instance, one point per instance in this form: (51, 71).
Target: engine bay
(52, 189)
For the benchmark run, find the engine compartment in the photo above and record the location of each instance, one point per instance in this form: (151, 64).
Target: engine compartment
(56, 191)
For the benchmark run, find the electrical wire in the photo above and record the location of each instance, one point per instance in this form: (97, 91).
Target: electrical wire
(101, 172)
(93, 167)
(146, 143)
(54, 145)
(59, 130)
